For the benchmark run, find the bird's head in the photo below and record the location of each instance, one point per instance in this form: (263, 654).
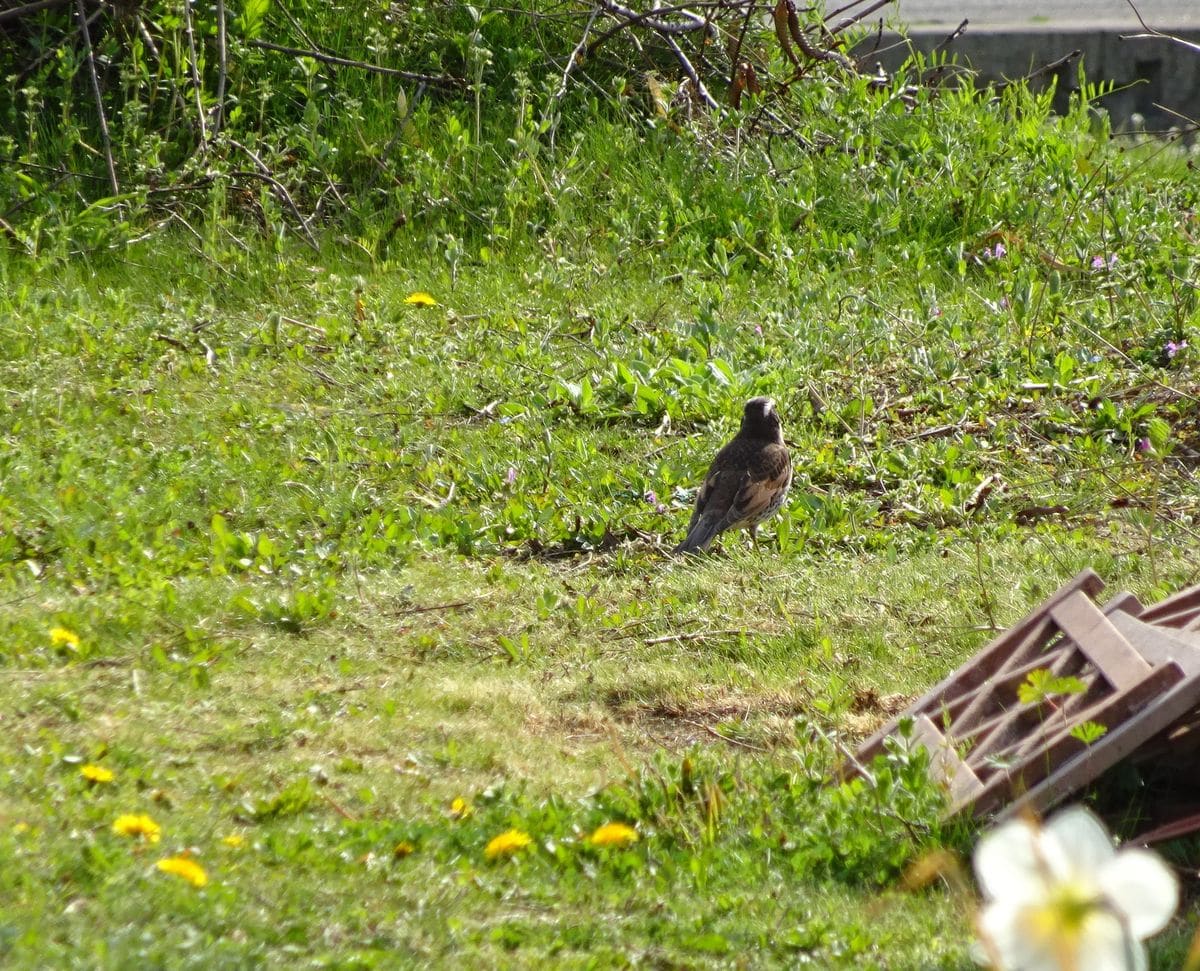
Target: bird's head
(761, 420)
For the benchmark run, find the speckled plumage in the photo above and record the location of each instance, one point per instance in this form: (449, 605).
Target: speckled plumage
(747, 481)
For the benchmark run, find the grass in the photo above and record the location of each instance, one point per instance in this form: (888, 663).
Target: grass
(335, 560)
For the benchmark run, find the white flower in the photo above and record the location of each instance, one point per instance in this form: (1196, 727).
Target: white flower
(1061, 898)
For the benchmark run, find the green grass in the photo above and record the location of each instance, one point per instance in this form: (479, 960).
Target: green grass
(335, 560)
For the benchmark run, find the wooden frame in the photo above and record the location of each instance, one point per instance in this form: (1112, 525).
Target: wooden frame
(1140, 672)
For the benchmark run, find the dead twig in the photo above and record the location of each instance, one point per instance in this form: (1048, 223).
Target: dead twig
(285, 196)
(1155, 33)
(222, 68)
(16, 13)
(735, 52)
(148, 40)
(429, 608)
(575, 57)
(691, 74)
(699, 635)
(650, 15)
(811, 50)
(264, 174)
(651, 19)
(193, 68)
(95, 79)
(340, 810)
(951, 37)
(856, 19)
(442, 82)
(724, 738)
(1044, 69)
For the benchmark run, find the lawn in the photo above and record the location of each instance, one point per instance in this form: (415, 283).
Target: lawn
(337, 583)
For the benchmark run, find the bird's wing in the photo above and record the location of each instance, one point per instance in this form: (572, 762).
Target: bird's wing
(718, 493)
(757, 491)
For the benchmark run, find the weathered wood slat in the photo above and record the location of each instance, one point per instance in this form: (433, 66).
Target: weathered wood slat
(1163, 698)
(998, 733)
(985, 663)
(1094, 708)
(1174, 619)
(1160, 644)
(1179, 602)
(1033, 645)
(1126, 603)
(1086, 625)
(951, 770)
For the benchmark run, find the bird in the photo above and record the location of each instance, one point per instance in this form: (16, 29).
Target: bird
(747, 481)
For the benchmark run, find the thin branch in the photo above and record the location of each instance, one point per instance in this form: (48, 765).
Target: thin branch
(282, 192)
(194, 69)
(858, 17)
(724, 738)
(690, 71)
(819, 53)
(700, 635)
(1154, 32)
(735, 54)
(264, 174)
(443, 82)
(91, 62)
(222, 68)
(16, 13)
(1161, 35)
(456, 605)
(850, 5)
(1044, 69)
(651, 20)
(148, 40)
(575, 56)
(630, 21)
(951, 37)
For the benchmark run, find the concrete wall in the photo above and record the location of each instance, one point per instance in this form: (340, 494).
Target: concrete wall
(1148, 72)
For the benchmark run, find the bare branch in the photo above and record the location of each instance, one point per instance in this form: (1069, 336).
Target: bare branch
(651, 19)
(1044, 69)
(692, 76)
(1154, 32)
(16, 13)
(91, 63)
(264, 174)
(635, 19)
(222, 68)
(858, 17)
(1161, 35)
(194, 69)
(442, 82)
(148, 39)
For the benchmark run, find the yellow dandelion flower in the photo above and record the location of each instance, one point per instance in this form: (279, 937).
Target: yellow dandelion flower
(614, 834)
(402, 849)
(420, 299)
(61, 637)
(96, 773)
(140, 826)
(184, 867)
(19, 828)
(460, 808)
(506, 844)
(233, 839)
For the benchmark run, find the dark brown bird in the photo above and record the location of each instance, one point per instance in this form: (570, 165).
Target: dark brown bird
(747, 481)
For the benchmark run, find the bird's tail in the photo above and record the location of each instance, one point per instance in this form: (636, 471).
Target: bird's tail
(699, 536)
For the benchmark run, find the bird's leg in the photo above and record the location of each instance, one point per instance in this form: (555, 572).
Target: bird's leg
(754, 535)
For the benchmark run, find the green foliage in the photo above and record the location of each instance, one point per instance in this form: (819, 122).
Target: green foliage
(1042, 685)
(1088, 732)
(302, 561)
